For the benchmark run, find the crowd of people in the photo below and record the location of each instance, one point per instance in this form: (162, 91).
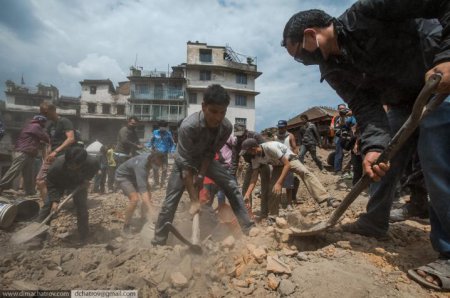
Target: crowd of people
(376, 68)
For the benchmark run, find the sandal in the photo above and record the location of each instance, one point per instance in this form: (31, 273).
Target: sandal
(439, 270)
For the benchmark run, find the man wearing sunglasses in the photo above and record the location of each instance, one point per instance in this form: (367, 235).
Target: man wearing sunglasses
(381, 52)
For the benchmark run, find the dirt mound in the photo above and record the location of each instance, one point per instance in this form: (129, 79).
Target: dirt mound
(268, 263)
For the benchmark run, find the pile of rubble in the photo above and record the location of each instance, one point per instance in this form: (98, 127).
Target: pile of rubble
(270, 262)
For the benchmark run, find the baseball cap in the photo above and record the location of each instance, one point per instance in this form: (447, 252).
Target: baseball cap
(40, 118)
(282, 123)
(247, 144)
(239, 129)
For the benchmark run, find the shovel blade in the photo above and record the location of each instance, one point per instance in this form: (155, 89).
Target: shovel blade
(312, 230)
(28, 233)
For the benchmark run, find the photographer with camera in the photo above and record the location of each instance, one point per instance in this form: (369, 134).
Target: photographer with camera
(343, 124)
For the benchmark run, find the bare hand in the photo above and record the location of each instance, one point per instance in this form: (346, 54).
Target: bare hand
(444, 69)
(51, 157)
(277, 188)
(195, 207)
(375, 171)
(54, 206)
(198, 182)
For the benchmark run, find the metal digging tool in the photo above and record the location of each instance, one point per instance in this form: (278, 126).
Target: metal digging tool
(35, 229)
(193, 247)
(421, 108)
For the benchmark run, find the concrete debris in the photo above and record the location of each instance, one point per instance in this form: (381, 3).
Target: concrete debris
(274, 265)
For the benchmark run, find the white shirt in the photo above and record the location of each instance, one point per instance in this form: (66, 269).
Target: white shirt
(272, 154)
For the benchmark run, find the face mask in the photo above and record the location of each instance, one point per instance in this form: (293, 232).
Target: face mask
(309, 58)
(162, 129)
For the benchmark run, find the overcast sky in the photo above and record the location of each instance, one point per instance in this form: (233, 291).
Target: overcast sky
(64, 42)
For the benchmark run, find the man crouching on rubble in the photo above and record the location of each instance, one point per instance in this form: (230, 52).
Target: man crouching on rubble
(69, 171)
(132, 178)
(200, 136)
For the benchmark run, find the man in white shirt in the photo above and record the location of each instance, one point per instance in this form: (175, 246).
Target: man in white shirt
(278, 154)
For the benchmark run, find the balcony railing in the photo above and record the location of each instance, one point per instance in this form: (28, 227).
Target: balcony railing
(168, 94)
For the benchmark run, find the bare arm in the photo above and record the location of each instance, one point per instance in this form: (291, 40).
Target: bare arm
(252, 184)
(279, 184)
(70, 139)
(293, 144)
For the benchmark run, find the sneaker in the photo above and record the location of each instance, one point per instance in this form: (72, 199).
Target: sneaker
(330, 202)
(406, 212)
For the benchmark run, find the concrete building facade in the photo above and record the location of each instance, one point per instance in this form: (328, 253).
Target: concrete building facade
(102, 110)
(156, 96)
(206, 65)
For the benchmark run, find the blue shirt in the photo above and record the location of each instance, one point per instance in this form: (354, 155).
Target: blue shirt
(161, 141)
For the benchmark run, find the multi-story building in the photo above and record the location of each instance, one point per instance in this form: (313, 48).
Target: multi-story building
(102, 110)
(21, 104)
(208, 65)
(156, 96)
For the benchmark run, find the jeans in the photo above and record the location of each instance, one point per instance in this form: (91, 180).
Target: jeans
(266, 191)
(175, 189)
(339, 155)
(100, 180)
(80, 202)
(376, 218)
(434, 145)
(312, 150)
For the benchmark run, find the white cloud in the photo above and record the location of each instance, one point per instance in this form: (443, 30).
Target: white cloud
(84, 39)
(93, 66)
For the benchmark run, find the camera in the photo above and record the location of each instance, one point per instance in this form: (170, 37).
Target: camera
(344, 112)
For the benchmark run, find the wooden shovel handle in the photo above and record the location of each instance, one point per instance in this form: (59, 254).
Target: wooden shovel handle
(67, 198)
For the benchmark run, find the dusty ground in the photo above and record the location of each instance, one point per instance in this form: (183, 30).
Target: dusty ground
(268, 263)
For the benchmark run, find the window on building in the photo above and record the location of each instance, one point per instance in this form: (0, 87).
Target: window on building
(240, 121)
(193, 97)
(142, 89)
(146, 109)
(93, 89)
(121, 110)
(241, 100)
(173, 110)
(106, 109)
(91, 108)
(205, 55)
(241, 78)
(137, 109)
(205, 75)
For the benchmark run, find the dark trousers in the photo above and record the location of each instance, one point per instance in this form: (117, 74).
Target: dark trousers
(266, 191)
(312, 150)
(80, 202)
(175, 189)
(100, 180)
(111, 177)
(382, 193)
(356, 160)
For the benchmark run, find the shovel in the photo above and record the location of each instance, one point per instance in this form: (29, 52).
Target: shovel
(422, 107)
(195, 248)
(35, 229)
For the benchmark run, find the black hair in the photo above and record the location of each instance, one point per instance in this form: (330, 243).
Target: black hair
(75, 154)
(216, 95)
(133, 118)
(341, 104)
(304, 117)
(302, 20)
(163, 123)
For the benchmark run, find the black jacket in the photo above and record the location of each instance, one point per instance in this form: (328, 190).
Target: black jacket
(308, 134)
(60, 178)
(387, 46)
